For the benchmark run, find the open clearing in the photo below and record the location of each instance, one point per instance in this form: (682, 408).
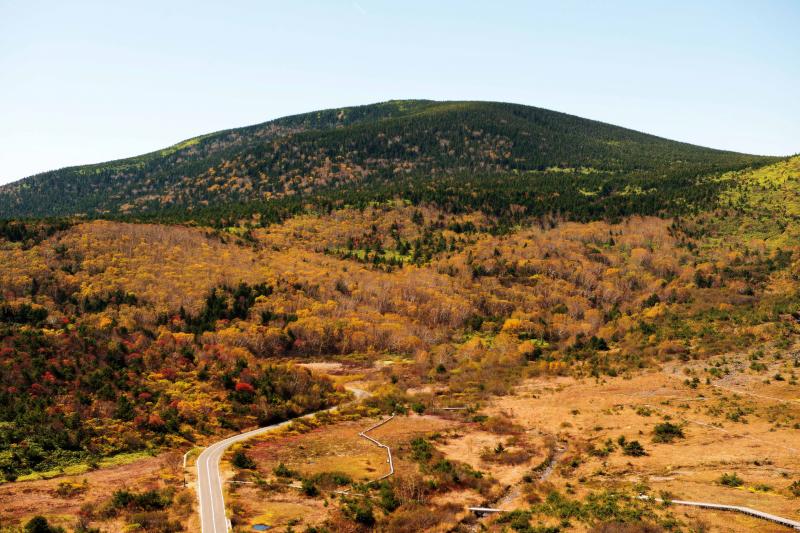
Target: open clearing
(724, 433)
(742, 423)
(562, 422)
(65, 497)
(334, 448)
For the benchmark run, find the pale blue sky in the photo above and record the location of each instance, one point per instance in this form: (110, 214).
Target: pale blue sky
(84, 81)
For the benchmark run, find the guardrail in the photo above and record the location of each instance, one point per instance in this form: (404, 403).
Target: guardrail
(185, 456)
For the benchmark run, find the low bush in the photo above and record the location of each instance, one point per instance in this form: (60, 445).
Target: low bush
(634, 449)
(309, 488)
(448, 474)
(667, 432)
(421, 450)
(155, 522)
(388, 501)
(151, 500)
(242, 460)
(518, 520)
(283, 471)
(68, 489)
(331, 479)
(39, 524)
(359, 510)
(731, 480)
(505, 456)
(604, 506)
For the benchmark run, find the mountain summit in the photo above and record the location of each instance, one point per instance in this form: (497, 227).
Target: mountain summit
(484, 155)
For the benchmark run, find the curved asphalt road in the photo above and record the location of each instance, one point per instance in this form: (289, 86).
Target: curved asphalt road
(213, 518)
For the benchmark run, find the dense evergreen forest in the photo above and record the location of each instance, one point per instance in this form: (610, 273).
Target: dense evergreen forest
(509, 160)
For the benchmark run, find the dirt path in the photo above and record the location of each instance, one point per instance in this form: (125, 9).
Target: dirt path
(514, 491)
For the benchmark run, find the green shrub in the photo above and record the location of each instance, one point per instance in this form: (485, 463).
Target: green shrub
(329, 479)
(39, 524)
(283, 471)
(151, 500)
(388, 501)
(242, 460)
(70, 489)
(603, 506)
(309, 488)
(667, 432)
(364, 516)
(517, 519)
(360, 511)
(731, 480)
(634, 449)
(421, 450)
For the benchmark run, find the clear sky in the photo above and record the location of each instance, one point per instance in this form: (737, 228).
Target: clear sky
(84, 81)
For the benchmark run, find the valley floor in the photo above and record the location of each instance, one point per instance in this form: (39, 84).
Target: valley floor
(743, 424)
(571, 422)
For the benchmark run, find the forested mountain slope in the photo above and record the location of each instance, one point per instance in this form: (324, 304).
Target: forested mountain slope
(118, 337)
(505, 159)
(485, 255)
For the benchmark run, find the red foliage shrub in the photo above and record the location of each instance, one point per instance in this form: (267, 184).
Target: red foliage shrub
(155, 421)
(244, 387)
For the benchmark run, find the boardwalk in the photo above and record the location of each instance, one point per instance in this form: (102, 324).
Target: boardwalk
(794, 524)
(735, 508)
(374, 441)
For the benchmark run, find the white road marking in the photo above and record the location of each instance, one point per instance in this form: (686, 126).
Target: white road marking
(214, 453)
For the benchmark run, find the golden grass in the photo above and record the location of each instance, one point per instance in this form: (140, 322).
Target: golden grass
(589, 412)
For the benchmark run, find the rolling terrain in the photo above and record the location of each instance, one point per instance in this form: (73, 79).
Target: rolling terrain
(603, 313)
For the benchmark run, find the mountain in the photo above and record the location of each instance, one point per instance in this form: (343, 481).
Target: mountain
(434, 266)
(502, 158)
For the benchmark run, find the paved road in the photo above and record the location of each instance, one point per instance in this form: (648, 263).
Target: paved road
(213, 518)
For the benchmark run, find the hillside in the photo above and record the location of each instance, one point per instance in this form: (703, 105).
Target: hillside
(504, 159)
(507, 281)
(567, 341)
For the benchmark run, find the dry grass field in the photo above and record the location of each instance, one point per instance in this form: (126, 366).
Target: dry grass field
(550, 433)
(67, 497)
(725, 432)
(573, 436)
(330, 449)
(741, 421)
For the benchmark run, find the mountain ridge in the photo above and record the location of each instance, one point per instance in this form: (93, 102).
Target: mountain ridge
(380, 147)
